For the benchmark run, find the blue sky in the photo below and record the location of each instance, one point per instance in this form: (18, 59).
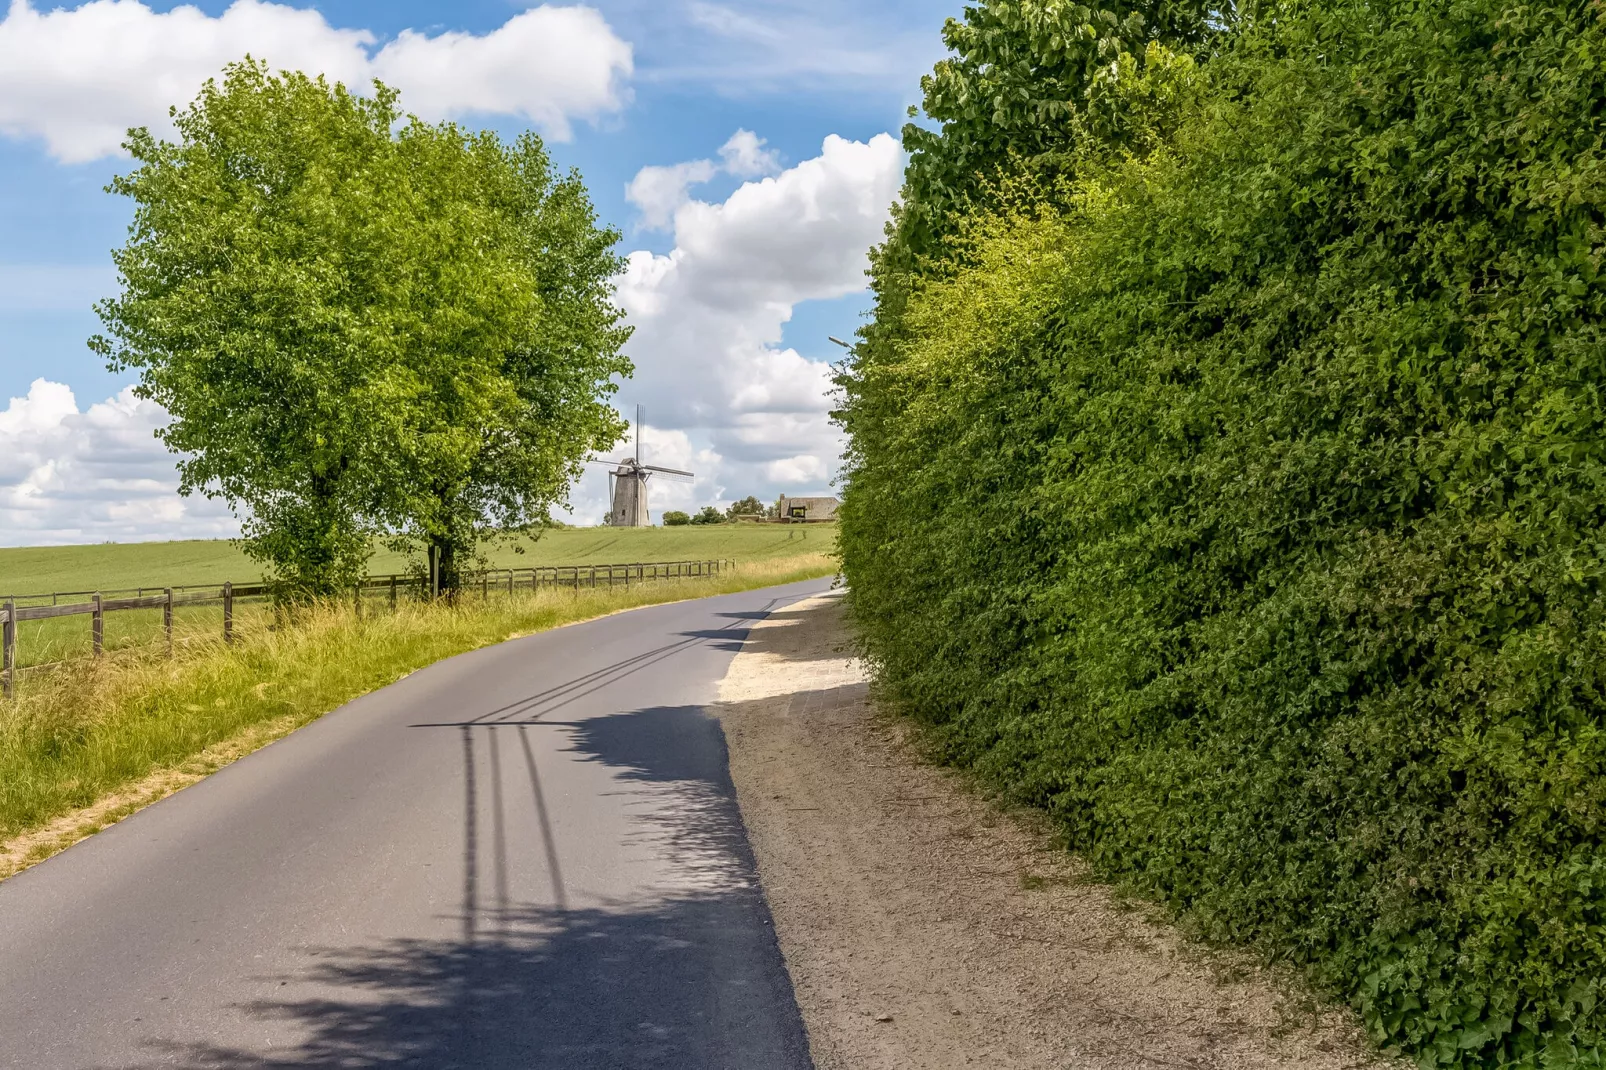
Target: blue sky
(723, 291)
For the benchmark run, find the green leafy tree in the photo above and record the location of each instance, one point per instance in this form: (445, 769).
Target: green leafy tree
(709, 515)
(748, 506)
(254, 307)
(362, 326)
(1020, 93)
(525, 342)
(674, 518)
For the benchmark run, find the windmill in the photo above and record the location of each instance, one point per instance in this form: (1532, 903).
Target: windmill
(627, 486)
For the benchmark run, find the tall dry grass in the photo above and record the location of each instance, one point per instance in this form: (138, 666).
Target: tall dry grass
(78, 733)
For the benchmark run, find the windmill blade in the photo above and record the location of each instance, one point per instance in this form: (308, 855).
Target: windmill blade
(602, 460)
(667, 471)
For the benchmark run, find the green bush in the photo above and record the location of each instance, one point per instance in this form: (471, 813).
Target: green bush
(748, 506)
(1242, 503)
(674, 518)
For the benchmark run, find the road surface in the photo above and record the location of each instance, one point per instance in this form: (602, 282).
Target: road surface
(529, 856)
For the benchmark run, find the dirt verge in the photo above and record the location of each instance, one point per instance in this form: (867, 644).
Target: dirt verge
(924, 927)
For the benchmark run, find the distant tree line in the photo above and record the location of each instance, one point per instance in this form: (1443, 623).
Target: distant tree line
(364, 325)
(748, 506)
(1227, 476)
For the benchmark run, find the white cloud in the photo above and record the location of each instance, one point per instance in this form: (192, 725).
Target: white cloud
(75, 477)
(79, 77)
(709, 316)
(544, 65)
(745, 156)
(661, 191)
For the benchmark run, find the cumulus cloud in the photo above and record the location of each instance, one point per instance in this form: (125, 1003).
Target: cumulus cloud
(73, 477)
(745, 156)
(709, 316)
(658, 192)
(79, 78)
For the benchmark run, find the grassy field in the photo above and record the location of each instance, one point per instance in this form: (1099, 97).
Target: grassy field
(117, 566)
(101, 732)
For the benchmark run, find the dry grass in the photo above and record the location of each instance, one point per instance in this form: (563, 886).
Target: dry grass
(86, 743)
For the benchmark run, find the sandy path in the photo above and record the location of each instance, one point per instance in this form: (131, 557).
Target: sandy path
(926, 928)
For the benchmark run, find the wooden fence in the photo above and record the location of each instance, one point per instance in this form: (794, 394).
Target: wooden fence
(391, 587)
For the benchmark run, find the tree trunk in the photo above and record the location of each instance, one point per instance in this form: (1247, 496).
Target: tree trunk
(444, 577)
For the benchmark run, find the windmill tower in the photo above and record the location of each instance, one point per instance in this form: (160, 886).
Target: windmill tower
(627, 486)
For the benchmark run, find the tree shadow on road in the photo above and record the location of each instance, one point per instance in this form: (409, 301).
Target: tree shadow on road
(686, 977)
(545, 989)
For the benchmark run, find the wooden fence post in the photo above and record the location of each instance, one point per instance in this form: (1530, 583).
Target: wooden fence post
(393, 592)
(98, 624)
(228, 611)
(510, 583)
(8, 647)
(167, 618)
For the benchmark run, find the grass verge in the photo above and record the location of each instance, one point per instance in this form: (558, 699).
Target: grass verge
(87, 744)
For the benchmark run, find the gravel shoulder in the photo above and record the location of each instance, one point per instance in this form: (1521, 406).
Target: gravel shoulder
(926, 927)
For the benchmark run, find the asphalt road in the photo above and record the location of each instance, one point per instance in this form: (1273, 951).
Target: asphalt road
(527, 856)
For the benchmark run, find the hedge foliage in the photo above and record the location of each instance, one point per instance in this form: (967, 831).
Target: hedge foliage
(1240, 500)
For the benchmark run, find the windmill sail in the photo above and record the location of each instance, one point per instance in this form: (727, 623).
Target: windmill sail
(627, 485)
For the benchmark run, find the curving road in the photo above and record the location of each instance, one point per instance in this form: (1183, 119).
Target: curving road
(529, 856)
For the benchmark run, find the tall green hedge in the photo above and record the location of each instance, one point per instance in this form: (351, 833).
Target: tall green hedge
(1242, 503)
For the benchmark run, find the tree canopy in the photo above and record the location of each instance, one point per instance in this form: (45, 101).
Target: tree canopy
(362, 324)
(748, 506)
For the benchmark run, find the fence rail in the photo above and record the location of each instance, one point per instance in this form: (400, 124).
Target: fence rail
(15, 609)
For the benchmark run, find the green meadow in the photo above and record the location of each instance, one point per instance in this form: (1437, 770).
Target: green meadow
(118, 566)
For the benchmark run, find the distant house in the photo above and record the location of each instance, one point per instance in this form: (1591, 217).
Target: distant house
(802, 509)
